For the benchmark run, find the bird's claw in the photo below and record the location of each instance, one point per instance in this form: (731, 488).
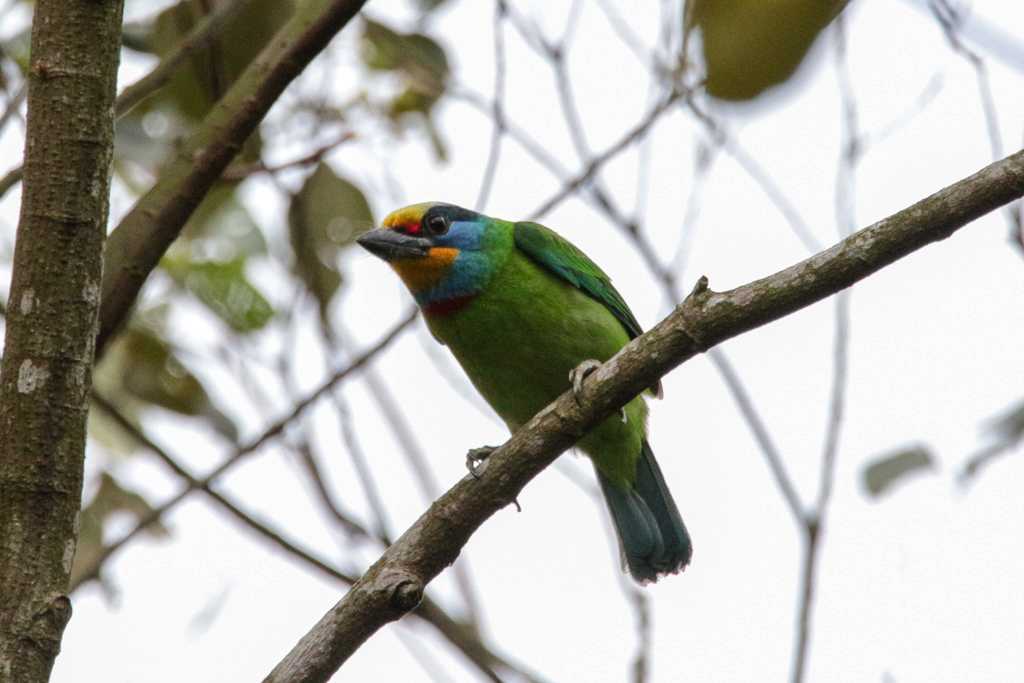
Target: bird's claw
(579, 373)
(475, 458)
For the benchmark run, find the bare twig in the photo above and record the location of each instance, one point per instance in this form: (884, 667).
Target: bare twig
(845, 219)
(270, 433)
(759, 175)
(463, 638)
(638, 131)
(242, 171)
(395, 583)
(497, 106)
(761, 434)
(951, 20)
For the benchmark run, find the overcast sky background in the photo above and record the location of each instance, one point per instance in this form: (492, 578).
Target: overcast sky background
(920, 585)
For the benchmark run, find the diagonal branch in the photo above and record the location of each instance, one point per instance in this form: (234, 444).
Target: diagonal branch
(462, 636)
(142, 237)
(395, 583)
(247, 450)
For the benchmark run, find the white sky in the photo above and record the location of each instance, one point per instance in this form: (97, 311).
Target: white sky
(920, 585)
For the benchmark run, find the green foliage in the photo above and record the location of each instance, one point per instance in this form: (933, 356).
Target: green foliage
(324, 217)
(140, 369)
(223, 287)
(891, 468)
(222, 227)
(208, 73)
(422, 68)
(752, 45)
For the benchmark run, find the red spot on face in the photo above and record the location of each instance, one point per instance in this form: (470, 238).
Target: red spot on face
(410, 228)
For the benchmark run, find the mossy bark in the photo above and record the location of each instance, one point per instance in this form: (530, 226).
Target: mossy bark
(52, 322)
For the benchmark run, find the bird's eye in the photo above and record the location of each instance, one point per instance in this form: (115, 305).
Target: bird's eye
(437, 225)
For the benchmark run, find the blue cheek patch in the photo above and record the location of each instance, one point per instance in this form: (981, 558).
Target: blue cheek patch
(470, 271)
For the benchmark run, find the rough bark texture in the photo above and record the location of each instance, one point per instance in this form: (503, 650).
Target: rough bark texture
(52, 322)
(155, 221)
(395, 583)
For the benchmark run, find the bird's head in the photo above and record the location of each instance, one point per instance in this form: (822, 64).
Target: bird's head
(442, 252)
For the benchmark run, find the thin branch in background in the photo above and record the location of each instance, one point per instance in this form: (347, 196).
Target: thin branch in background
(13, 105)
(462, 636)
(638, 131)
(517, 134)
(422, 656)
(530, 32)
(759, 175)
(274, 430)
(243, 171)
(703, 162)
(845, 198)
(224, 503)
(430, 488)
(369, 485)
(932, 87)
(627, 36)
(951, 19)
(323, 492)
(497, 106)
(761, 434)
(10, 179)
(641, 604)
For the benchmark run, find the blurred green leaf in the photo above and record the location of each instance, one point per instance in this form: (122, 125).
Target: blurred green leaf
(222, 228)
(428, 5)
(16, 48)
(881, 474)
(223, 287)
(209, 72)
(325, 216)
(152, 373)
(1009, 426)
(422, 67)
(141, 369)
(111, 497)
(419, 59)
(751, 45)
(1006, 430)
(170, 113)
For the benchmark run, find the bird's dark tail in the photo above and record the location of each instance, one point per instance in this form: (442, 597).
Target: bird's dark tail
(652, 536)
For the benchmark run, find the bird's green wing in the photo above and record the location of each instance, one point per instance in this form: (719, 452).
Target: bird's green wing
(560, 257)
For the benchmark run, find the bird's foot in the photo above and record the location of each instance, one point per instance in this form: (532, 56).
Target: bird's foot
(475, 458)
(579, 373)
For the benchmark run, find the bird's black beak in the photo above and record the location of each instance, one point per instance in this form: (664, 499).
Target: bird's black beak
(392, 245)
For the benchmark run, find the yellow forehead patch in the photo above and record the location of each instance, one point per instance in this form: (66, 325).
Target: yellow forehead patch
(408, 215)
(422, 273)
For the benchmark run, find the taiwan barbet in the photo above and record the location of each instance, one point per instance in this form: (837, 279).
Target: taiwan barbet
(526, 314)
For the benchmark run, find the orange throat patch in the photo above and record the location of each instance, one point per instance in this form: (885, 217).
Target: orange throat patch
(423, 273)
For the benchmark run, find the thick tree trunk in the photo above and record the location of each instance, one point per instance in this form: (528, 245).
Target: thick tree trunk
(52, 322)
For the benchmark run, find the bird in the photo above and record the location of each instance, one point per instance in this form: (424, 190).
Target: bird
(528, 315)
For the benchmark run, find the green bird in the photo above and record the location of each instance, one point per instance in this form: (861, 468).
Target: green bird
(527, 314)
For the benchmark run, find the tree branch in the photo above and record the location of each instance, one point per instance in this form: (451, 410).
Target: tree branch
(51, 324)
(463, 637)
(395, 583)
(138, 243)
